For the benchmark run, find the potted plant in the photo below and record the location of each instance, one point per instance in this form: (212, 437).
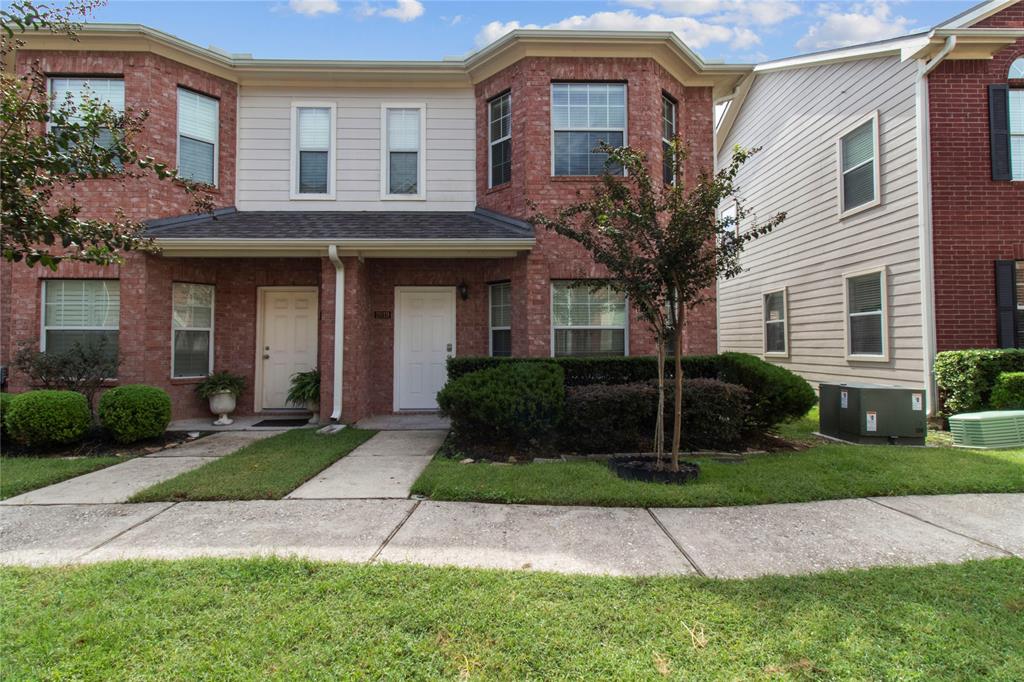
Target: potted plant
(305, 391)
(222, 390)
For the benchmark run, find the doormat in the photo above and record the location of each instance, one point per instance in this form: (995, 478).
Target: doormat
(281, 423)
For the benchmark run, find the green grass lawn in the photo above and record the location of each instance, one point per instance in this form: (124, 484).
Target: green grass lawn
(21, 474)
(826, 471)
(275, 619)
(267, 469)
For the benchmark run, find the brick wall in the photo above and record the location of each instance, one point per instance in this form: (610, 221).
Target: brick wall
(555, 257)
(975, 220)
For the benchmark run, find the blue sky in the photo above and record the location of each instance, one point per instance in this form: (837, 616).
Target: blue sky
(734, 30)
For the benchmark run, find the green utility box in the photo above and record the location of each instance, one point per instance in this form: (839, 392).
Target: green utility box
(873, 414)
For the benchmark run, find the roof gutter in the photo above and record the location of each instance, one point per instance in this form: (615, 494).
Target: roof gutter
(339, 332)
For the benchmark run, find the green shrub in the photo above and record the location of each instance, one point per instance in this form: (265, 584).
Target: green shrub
(514, 405)
(777, 394)
(135, 412)
(609, 418)
(41, 418)
(5, 404)
(966, 377)
(1008, 393)
(218, 382)
(716, 415)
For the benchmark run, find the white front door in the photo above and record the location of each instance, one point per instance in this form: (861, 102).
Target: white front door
(424, 339)
(288, 341)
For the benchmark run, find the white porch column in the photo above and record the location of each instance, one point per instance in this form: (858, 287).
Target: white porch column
(339, 330)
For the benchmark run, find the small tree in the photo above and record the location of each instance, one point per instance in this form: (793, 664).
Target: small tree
(48, 147)
(83, 368)
(664, 247)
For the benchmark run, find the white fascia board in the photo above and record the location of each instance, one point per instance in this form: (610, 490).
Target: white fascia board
(843, 54)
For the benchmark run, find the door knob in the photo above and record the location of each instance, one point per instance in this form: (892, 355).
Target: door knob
(266, 356)
(449, 348)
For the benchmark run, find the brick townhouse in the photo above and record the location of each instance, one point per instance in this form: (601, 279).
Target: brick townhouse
(370, 215)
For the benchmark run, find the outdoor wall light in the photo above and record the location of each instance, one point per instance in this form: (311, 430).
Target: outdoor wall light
(463, 291)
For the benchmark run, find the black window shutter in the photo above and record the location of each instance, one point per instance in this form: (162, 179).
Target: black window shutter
(1006, 304)
(999, 129)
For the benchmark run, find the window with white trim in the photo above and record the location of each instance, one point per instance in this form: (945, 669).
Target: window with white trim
(191, 330)
(403, 159)
(729, 213)
(668, 132)
(1017, 69)
(80, 311)
(865, 315)
(776, 332)
(583, 115)
(198, 128)
(75, 91)
(313, 162)
(858, 166)
(499, 131)
(1015, 108)
(586, 321)
(501, 319)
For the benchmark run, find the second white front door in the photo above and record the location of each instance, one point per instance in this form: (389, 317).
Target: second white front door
(288, 342)
(424, 339)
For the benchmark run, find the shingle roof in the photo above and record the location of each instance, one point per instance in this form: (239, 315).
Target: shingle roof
(341, 225)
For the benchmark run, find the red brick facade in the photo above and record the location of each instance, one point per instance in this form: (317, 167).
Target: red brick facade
(975, 220)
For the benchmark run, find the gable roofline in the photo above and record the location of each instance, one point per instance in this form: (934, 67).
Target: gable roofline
(980, 12)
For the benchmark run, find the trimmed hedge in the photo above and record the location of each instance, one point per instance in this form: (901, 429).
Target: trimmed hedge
(513, 405)
(966, 377)
(777, 394)
(135, 412)
(1008, 393)
(5, 404)
(42, 418)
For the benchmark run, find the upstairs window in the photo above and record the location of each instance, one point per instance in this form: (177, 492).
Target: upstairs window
(313, 160)
(587, 322)
(776, 337)
(858, 167)
(668, 132)
(82, 311)
(403, 157)
(583, 115)
(191, 330)
(198, 126)
(866, 317)
(501, 319)
(499, 131)
(75, 91)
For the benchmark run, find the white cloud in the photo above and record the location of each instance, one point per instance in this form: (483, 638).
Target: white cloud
(313, 7)
(864, 23)
(694, 33)
(743, 12)
(452, 21)
(404, 10)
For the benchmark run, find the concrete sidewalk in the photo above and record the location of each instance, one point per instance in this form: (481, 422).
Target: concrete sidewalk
(721, 542)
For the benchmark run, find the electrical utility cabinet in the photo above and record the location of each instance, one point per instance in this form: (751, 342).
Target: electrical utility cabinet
(873, 414)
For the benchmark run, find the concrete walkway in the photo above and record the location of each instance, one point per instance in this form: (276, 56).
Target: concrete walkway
(734, 542)
(119, 482)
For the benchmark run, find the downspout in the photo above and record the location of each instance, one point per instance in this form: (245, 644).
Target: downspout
(924, 212)
(339, 330)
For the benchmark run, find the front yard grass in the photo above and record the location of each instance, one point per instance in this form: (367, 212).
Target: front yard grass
(21, 474)
(267, 469)
(290, 619)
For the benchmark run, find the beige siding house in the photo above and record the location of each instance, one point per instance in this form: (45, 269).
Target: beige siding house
(835, 293)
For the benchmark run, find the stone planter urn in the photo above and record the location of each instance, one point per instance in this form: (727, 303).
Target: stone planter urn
(222, 403)
(315, 409)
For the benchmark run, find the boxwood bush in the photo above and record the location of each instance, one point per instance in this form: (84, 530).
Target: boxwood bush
(5, 403)
(516, 405)
(1008, 393)
(43, 418)
(135, 412)
(966, 377)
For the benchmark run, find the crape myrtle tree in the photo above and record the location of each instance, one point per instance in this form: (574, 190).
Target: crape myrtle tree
(664, 247)
(47, 147)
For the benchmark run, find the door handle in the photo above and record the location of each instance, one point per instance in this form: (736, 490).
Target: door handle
(449, 348)
(266, 356)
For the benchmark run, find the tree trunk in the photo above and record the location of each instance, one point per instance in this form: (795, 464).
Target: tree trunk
(677, 427)
(659, 428)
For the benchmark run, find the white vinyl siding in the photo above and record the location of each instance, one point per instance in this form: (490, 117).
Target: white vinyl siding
(449, 144)
(499, 133)
(1016, 111)
(403, 151)
(587, 322)
(83, 311)
(500, 300)
(583, 115)
(191, 330)
(775, 326)
(796, 116)
(865, 316)
(198, 129)
(313, 150)
(858, 167)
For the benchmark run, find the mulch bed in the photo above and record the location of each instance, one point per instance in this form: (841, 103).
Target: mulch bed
(99, 445)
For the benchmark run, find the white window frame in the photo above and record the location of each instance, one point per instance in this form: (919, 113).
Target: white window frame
(213, 314)
(840, 175)
(551, 317)
(553, 130)
(883, 273)
(43, 328)
(492, 142)
(385, 157)
(675, 130)
(216, 137)
(1016, 136)
(730, 211)
(332, 153)
(784, 322)
(490, 319)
